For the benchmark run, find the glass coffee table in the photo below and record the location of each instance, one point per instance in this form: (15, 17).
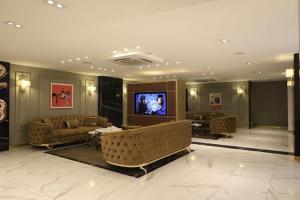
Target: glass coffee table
(95, 136)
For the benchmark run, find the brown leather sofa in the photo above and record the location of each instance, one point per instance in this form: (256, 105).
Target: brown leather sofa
(48, 131)
(142, 146)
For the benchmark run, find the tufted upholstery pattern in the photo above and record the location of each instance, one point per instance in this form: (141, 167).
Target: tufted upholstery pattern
(224, 124)
(136, 147)
(53, 130)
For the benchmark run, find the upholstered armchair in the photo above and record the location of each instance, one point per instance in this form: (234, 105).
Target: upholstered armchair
(225, 125)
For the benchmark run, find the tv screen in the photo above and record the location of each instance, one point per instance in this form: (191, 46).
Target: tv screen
(154, 103)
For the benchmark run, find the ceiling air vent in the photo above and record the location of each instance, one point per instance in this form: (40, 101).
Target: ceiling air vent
(205, 80)
(135, 58)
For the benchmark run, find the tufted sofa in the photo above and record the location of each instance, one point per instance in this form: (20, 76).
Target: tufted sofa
(214, 122)
(142, 146)
(47, 131)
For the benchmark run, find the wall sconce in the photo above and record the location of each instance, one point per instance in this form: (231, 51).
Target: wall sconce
(23, 84)
(91, 89)
(193, 92)
(289, 73)
(290, 83)
(240, 91)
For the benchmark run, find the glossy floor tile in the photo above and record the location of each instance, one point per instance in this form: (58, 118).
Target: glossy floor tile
(261, 138)
(208, 173)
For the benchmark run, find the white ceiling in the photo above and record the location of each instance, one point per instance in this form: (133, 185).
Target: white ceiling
(188, 31)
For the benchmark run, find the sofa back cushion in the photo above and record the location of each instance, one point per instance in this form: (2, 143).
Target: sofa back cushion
(73, 123)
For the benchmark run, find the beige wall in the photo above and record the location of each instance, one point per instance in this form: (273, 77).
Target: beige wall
(35, 100)
(232, 103)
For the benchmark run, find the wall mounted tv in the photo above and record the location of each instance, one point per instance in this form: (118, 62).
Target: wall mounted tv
(151, 103)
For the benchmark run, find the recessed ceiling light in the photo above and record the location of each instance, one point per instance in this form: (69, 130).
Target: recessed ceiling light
(167, 63)
(212, 73)
(249, 63)
(141, 67)
(114, 52)
(149, 66)
(157, 65)
(266, 78)
(224, 41)
(174, 76)
(92, 67)
(70, 60)
(125, 49)
(112, 70)
(99, 68)
(154, 77)
(50, 2)
(161, 77)
(104, 69)
(203, 74)
(10, 23)
(59, 5)
(62, 62)
(260, 72)
(78, 59)
(138, 47)
(167, 77)
(86, 57)
(177, 62)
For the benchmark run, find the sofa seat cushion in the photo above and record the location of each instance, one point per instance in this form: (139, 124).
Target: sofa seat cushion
(86, 129)
(65, 132)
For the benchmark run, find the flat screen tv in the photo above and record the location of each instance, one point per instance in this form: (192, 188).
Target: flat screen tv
(151, 103)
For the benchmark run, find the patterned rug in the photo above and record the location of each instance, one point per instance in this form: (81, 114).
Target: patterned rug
(90, 155)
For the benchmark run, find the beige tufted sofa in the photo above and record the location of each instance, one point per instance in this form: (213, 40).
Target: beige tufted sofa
(54, 130)
(142, 146)
(226, 125)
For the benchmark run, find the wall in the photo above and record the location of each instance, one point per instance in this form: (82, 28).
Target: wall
(269, 103)
(180, 100)
(169, 87)
(35, 100)
(232, 103)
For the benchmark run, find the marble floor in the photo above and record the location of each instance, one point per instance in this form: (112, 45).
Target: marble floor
(260, 137)
(208, 173)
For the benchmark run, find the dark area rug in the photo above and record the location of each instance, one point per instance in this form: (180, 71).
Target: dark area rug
(89, 155)
(212, 136)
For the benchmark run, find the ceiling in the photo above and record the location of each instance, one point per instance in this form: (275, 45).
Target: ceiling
(189, 31)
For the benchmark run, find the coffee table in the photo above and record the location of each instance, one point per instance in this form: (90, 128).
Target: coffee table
(94, 136)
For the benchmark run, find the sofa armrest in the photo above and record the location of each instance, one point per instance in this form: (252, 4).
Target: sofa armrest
(103, 122)
(123, 147)
(40, 133)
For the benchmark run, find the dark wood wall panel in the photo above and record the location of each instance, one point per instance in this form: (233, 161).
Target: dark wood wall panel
(147, 120)
(144, 120)
(171, 103)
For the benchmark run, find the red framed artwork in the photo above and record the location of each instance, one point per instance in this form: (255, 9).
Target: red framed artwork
(61, 96)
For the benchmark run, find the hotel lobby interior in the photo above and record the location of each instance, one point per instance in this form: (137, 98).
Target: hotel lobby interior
(149, 100)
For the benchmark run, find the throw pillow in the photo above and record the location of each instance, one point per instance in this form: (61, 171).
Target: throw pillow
(74, 123)
(66, 124)
(197, 117)
(90, 121)
(47, 121)
(102, 122)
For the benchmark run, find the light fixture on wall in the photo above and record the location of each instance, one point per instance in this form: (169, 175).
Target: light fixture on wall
(91, 89)
(23, 84)
(193, 92)
(290, 83)
(289, 73)
(240, 91)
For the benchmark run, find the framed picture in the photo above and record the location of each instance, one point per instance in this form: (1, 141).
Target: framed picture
(215, 100)
(61, 96)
